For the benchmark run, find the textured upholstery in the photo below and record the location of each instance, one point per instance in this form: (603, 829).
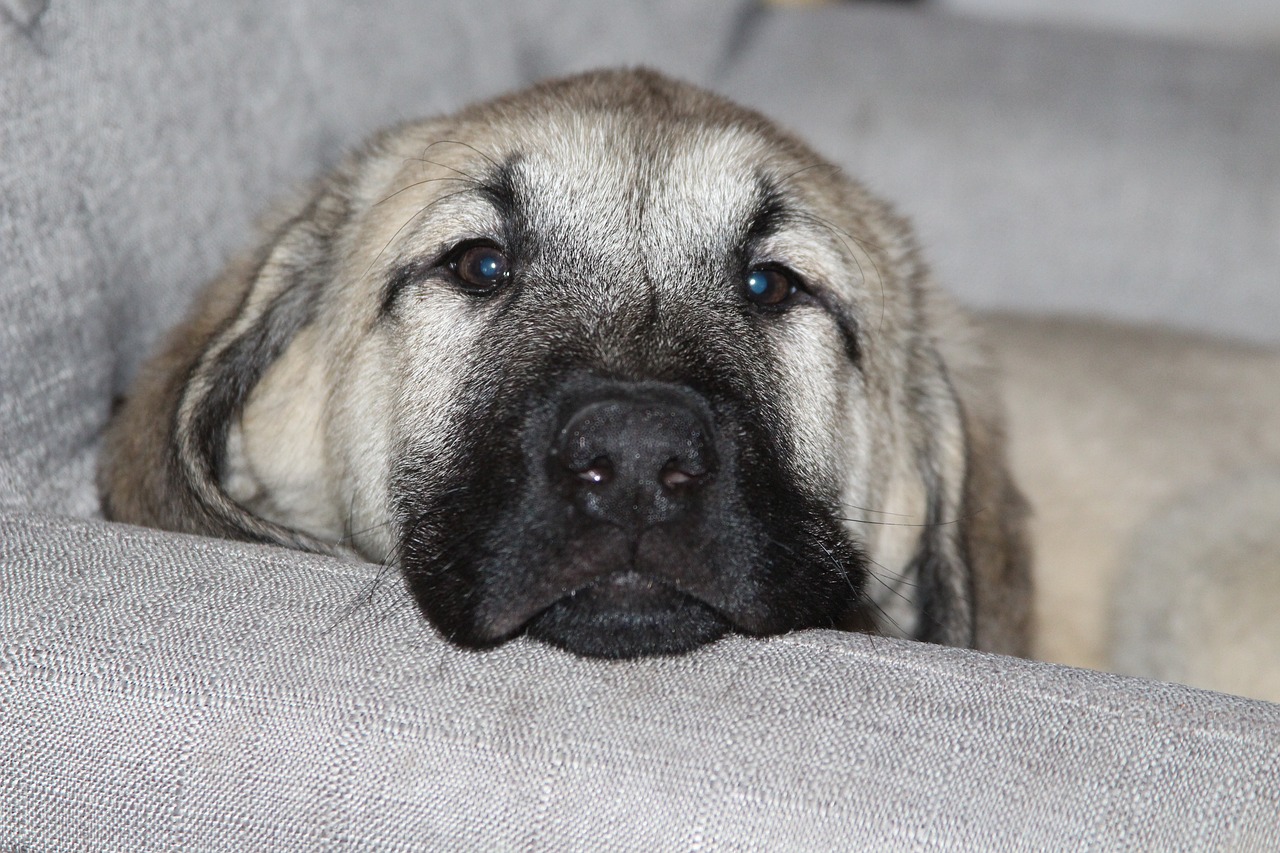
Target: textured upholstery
(160, 691)
(218, 692)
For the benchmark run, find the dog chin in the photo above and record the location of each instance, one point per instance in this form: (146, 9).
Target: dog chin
(625, 616)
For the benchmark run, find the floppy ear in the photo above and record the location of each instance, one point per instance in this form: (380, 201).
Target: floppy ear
(973, 562)
(995, 538)
(165, 449)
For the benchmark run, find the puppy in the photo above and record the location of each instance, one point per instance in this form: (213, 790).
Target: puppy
(610, 362)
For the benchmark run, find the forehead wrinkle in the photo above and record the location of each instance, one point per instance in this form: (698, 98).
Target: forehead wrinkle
(708, 190)
(577, 179)
(629, 212)
(583, 187)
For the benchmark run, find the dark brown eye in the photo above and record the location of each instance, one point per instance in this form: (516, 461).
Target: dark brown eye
(480, 267)
(768, 286)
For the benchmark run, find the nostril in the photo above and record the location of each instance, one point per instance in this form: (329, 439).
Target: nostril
(676, 475)
(598, 472)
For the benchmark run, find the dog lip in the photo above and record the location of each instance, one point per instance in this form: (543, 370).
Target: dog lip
(622, 590)
(625, 589)
(618, 587)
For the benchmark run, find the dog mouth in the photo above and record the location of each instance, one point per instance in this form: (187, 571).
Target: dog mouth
(606, 594)
(625, 614)
(626, 521)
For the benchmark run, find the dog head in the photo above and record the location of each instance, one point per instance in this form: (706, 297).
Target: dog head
(610, 361)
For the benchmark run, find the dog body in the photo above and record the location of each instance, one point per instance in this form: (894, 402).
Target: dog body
(611, 362)
(1153, 461)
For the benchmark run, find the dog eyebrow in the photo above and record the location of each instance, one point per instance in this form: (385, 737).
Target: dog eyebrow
(769, 214)
(498, 186)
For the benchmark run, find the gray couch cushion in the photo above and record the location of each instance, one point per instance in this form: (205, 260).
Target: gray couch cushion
(218, 695)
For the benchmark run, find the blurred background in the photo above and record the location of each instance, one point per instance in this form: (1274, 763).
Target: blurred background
(1239, 21)
(1116, 159)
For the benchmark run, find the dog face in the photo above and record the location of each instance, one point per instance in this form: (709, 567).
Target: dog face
(610, 362)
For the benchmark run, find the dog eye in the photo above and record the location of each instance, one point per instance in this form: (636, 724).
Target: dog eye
(480, 267)
(768, 286)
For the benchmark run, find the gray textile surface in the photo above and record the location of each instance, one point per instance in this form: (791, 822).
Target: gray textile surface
(163, 691)
(223, 695)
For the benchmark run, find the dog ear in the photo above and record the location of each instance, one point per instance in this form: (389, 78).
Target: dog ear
(995, 538)
(165, 449)
(972, 563)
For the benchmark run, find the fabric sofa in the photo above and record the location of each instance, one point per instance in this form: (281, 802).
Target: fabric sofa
(164, 691)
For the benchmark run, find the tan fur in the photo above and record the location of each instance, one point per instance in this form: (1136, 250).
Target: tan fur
(995, 511)
(1137, 446)
(277, 410)
(133, 475)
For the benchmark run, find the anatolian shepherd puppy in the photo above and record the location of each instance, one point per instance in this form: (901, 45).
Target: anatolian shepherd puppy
(611, 362)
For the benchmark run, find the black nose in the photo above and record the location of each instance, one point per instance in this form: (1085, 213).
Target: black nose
(635, 459)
